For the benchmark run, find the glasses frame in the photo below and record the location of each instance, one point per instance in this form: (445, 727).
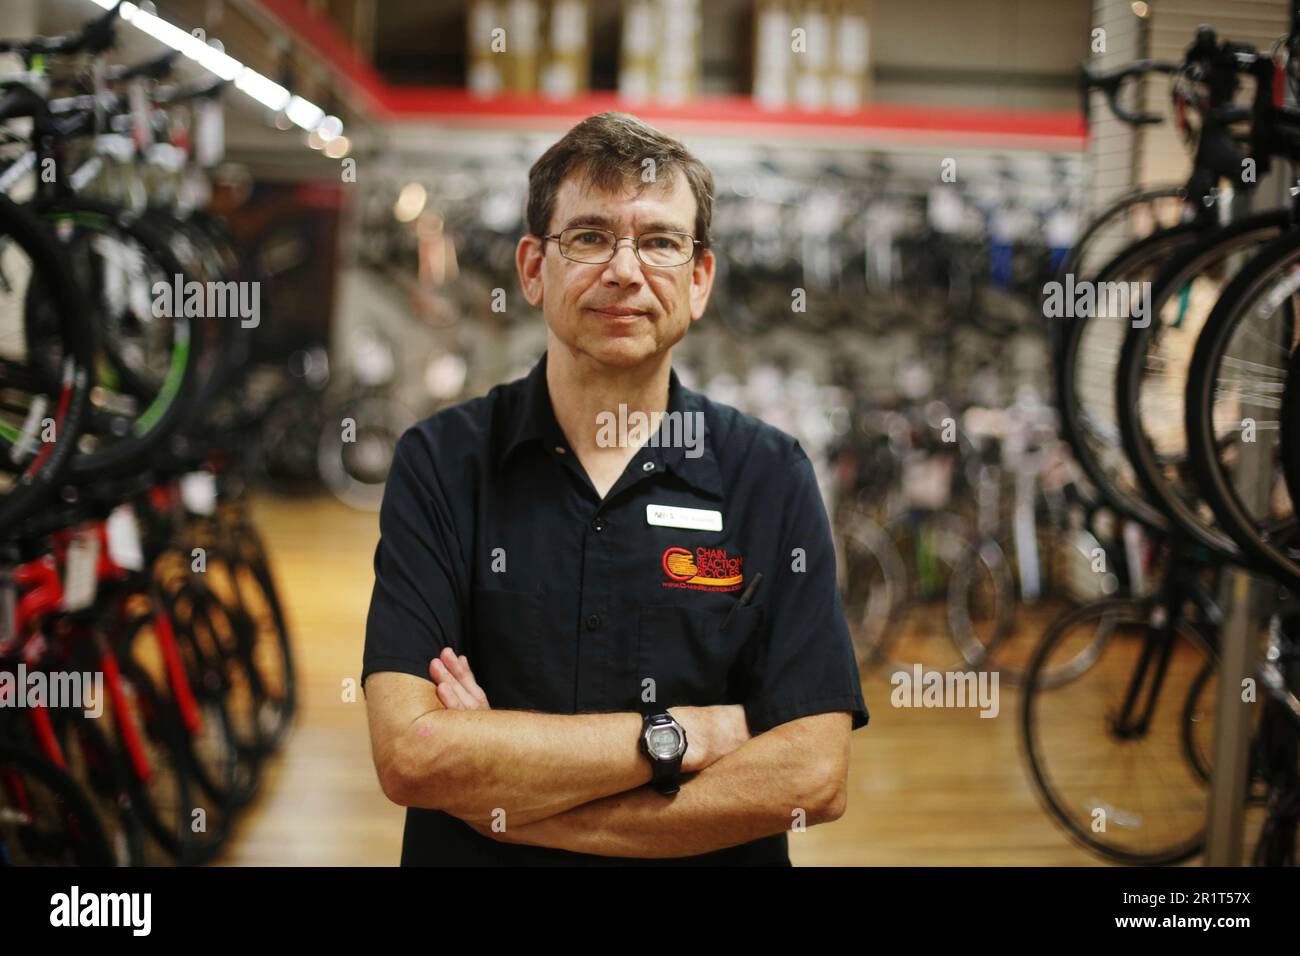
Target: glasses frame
(696, 245)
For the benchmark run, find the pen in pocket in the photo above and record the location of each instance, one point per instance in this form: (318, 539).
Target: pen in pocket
(744, 599)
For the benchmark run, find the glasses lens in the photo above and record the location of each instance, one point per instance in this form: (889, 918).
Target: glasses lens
(587, 245)
(665, 248)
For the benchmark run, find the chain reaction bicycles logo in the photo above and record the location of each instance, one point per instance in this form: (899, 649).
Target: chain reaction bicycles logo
(704, 569)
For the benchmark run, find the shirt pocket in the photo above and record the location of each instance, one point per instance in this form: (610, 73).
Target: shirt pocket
(507, 656)
(688, 653)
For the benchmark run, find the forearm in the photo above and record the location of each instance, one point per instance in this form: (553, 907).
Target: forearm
(474, 763)
(756, 791)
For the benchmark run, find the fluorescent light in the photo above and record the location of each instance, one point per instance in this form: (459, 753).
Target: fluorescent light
(216, 61)
(266, 91)
(329, 128)
(304, 113)
(338, 147)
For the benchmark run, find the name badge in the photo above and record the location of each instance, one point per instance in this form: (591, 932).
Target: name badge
(671, 516)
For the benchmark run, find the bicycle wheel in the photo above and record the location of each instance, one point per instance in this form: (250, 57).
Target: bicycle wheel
(46, 360)
(354, 462)
(875, 584)
(148, 349)
(1130, 218)
(46, 819)
(255, 602)
(1290, 434)
(202, 753)
(1151, 383)
(228, 694)
(1085, 381)
(981, 602)
(1117, 779)
(935, 549)
(1235, 392)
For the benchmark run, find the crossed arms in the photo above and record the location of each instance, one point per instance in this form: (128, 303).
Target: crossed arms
(578, 782)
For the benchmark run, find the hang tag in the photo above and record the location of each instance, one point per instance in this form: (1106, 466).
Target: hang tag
(671, 516)
(199, 492)
(80, 570)
(927, 482)
(124, 539)
(209, 133)
(141, 131)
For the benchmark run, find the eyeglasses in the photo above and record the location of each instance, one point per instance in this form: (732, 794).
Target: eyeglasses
(663, 250)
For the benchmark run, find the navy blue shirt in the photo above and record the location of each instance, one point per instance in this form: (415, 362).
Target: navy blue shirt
(495, 542)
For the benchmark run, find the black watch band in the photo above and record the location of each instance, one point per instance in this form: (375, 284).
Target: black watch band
(666, 771)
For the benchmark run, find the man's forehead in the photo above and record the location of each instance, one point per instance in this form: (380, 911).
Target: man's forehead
(667, 195)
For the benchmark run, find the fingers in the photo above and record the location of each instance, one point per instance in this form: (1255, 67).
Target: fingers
(456, 686)
(459, 667)
(452, 695)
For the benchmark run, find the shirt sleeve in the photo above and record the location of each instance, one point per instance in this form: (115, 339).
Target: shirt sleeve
(802, 662)
(416, 607)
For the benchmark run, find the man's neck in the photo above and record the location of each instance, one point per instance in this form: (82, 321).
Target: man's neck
(584, 394)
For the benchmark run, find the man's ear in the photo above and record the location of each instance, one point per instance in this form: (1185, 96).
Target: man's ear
(530, 254)
(702, 273)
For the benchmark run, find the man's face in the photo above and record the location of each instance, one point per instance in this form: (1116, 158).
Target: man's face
(620, 312)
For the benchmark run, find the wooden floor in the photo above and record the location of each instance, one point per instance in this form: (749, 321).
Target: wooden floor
(927, 786)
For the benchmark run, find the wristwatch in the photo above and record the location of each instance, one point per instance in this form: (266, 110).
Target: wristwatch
(663, 741)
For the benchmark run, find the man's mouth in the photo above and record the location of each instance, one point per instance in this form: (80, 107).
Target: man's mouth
(617, 312)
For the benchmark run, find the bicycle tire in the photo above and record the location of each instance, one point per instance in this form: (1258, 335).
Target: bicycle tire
(1264, 549)
(19, 769)
(59, 290)
(168, 408)
(1130, 397)
(1073, 417)
(1123, 611)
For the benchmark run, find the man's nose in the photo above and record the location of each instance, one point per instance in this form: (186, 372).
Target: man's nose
(625, 267)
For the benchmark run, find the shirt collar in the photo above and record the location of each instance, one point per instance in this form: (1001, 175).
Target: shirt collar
(529, 416)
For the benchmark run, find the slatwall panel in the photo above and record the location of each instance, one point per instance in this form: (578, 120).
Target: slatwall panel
(1164, 158)
(1112, 145)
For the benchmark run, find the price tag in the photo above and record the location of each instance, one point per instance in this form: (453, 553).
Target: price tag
(80, 570)
(124, 539)
(927, 483)
(141, 131)
(199, 492)
(209, 133)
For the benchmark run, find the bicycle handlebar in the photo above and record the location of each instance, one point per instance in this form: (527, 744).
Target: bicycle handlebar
(151, 69)
(1111, 82)
(96, 36)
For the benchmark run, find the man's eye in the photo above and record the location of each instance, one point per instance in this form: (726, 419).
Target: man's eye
(660, 242)
(589, 238)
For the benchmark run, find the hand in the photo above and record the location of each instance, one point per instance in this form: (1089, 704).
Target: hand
(457, 688)
(711, 733)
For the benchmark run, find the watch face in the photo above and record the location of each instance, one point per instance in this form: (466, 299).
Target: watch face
(664, 742)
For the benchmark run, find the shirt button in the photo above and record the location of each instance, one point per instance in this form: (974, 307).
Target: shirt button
(648, 466)
(559, 449)
(593, 621)
(598, 524)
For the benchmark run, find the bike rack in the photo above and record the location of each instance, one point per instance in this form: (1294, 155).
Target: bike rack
(1240, 598)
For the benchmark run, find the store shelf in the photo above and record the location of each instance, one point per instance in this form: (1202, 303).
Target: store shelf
(740, 116)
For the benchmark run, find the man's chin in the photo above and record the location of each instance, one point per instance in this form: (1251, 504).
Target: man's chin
(620, 351)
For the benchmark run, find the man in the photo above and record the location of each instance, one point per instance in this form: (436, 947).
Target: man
(592, 642)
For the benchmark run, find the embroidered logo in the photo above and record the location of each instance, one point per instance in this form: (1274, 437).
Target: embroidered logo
(704, 569)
